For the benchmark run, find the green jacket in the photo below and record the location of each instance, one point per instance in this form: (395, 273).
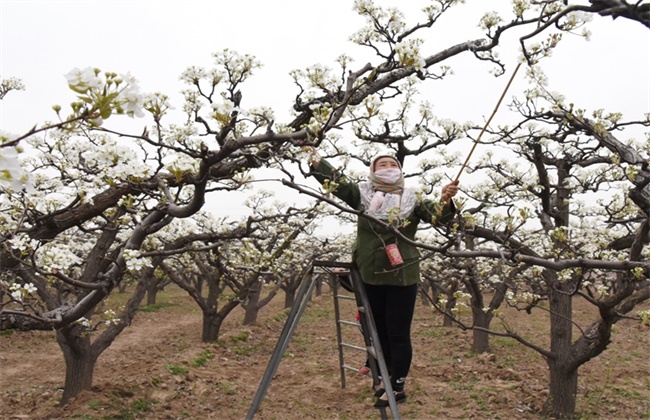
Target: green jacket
(368, 251)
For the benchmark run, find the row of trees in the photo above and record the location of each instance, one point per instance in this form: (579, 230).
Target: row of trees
(561, 214)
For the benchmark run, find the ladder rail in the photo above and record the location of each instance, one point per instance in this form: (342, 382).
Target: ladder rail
(372, 339)
(302, 299)
(339, 334)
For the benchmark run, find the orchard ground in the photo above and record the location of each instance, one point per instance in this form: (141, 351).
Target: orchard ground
(158, 368)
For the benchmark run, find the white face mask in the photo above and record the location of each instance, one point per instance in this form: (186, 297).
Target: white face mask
(389, 175)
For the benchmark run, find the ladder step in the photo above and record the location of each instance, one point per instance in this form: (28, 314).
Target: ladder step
(354, 324)
(345, 297)
(371, 351)
(351, 346)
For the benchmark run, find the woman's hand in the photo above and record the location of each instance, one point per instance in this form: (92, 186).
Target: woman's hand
(449, 190)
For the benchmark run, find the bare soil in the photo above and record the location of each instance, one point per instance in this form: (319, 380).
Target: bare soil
(159, 369)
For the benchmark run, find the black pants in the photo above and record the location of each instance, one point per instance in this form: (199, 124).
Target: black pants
(392, 309)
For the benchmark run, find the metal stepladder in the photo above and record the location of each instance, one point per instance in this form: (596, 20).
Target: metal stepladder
(341, 273)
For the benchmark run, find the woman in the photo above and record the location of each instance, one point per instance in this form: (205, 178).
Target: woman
(389, 267)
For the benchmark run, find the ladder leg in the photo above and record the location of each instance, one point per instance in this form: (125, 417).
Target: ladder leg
(372, 339)
(339, 337)
(302, 299)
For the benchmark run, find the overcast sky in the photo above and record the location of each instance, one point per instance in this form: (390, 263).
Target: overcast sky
(42, 40)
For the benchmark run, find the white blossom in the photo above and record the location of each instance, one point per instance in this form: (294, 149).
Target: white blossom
(12, 174)
(133, 260)
(110, 317)
(84, 322)
(408, 53)
(132, 101)
(20, 292)
(193, 74)
(57, 256)
(83, 80)
(645, 317)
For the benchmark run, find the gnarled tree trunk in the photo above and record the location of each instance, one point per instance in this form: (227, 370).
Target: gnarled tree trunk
(212, 321)
(252, 305)
(81, 354)
(563, 374)
(480, 338)
(79, 359)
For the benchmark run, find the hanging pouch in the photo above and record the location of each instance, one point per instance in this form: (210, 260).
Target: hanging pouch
(394, 255)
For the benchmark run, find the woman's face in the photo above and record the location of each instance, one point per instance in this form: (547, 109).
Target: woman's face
(386, 163)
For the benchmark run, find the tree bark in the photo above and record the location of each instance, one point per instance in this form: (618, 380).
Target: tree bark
(153, 284)
(447, 321)
(152, 293)
(318, 290)
(81, 354)
(451, 302)
(79, 359)
(564, 386)
(424, 293)
(289, 297)
(480, 338)
(212, 321)
(252, 305)
(211, 326)
(563, 377)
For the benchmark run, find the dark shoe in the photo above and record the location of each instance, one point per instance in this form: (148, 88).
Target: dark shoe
(378, 393)
(400, 397)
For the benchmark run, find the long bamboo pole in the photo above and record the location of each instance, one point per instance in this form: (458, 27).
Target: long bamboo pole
(488, 122)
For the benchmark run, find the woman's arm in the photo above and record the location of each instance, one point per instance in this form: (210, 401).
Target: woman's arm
(343, 187)
(439, 212)
(449, 191)
(436, 212)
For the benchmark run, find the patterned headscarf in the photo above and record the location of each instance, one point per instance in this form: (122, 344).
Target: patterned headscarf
(396, 187)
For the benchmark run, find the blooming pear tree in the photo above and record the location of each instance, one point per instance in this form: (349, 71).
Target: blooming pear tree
(220, 139)
(566, 189)
(540, 252)
(273, 256)
(478, 284)
(232, 265)
(104, 198)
